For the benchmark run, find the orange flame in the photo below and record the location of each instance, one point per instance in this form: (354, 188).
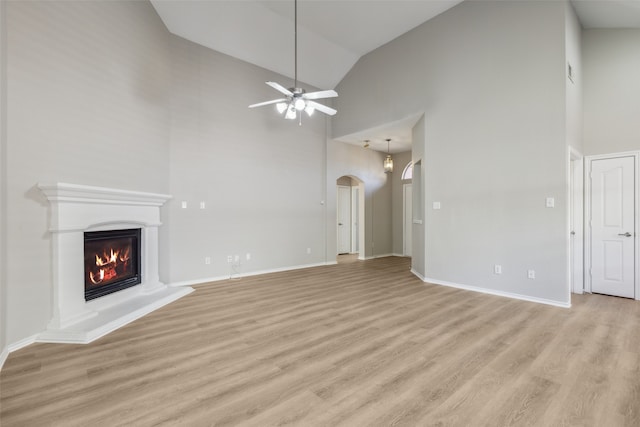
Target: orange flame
(108, 261)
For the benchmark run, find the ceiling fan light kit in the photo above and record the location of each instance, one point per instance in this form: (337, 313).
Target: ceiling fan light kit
(297, 99)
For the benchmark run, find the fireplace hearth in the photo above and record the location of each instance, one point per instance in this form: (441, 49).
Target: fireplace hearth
(111, 261)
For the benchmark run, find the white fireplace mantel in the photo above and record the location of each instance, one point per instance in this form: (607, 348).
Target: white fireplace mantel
(76, 209)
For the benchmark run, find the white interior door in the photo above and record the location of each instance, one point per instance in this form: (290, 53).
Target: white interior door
(344, 219)
(612, 226)
(355, 214)
(408, 218)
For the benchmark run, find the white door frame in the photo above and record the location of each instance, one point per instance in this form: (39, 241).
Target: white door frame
(404, 220)
(346, 223)
(355, 219)
(587, 216)
(576, 221)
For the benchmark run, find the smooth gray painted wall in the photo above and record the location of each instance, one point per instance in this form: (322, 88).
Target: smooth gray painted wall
(489, 77)
(3, 181)
(366, 165)
(611, 87)
(574, 88)
(262, 178)
(87, 103)
(400, 160)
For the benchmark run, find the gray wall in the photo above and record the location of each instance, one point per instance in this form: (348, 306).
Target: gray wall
(400, 160)
(573, 54)
(489, 77)
(366, 165)
(3, 181)
(611, 87)
(262, 178)
(87, 103)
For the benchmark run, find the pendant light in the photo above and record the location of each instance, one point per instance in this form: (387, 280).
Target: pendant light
(388, 161)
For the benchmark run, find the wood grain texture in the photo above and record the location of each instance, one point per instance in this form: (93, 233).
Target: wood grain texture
(361, 343)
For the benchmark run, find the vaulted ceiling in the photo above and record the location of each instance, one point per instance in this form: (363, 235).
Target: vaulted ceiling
(332, 34)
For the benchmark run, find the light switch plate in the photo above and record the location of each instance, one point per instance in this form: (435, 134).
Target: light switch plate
(436, 205)
(551, 202)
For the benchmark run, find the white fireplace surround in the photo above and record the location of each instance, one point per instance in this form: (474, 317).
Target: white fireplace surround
(76, 209)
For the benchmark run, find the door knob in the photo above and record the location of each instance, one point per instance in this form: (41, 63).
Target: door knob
(627, 234)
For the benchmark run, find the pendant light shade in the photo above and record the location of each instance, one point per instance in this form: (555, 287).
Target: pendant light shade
(388, 161)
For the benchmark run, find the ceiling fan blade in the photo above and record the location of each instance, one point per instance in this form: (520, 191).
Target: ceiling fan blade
(280, 88)
(273, 101)
(322, 108)
(321, 94)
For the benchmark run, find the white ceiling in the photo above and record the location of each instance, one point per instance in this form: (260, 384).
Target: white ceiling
(332, 36)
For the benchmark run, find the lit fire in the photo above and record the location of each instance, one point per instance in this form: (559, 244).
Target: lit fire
(108, 264)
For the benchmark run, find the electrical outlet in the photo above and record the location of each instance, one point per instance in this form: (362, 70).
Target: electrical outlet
(184, 205)
(203, 205)
(229, 258)
(207, 260)
(497, 269)
(531, 274)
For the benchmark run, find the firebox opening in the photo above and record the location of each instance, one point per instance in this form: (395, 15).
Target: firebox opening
(111, 261)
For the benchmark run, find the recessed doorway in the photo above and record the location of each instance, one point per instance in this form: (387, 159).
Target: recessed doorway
(350, 216)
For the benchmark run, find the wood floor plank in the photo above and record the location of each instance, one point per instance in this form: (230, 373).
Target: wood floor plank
(358, 343)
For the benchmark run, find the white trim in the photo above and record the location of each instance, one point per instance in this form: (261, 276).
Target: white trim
(404, 218)
(382, 256)
(404, 172)
(498, 293)
(205, 281)
(110, 319)
(575, 219)
(3, 357)
(63, 192)
(22, 343)
(418, 275)
(349, 219)
(587, 216)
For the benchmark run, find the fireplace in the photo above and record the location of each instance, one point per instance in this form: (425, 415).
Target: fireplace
(115, 228)
(111, 261)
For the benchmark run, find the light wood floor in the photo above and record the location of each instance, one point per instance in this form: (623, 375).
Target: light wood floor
(355, 344)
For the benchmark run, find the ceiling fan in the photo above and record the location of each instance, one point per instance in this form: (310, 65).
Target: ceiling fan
(297, 99)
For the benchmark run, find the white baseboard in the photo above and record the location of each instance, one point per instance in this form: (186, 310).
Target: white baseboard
(418, 275)
(3, 356)
(15, 346)
(381, 256)
(22, 343)
(250, 273)
(497, 293)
